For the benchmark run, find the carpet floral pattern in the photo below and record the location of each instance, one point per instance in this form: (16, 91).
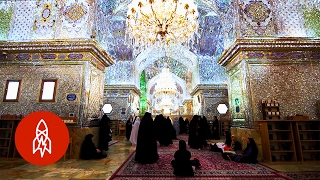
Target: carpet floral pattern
(213, 166)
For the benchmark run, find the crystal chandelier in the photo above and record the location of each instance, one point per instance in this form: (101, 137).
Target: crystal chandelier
(161, 22)
(165, 84)
(166, 90)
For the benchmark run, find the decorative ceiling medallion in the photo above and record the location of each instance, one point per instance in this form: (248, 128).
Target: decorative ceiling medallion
(75, 12)
(257, 11)
(46, 12)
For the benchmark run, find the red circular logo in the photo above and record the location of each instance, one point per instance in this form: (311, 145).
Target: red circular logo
(42, 138)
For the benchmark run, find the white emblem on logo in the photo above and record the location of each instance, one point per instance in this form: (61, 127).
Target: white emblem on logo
(42, 141)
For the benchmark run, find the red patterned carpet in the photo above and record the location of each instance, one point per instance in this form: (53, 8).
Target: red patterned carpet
(309, 175)
(213, 166)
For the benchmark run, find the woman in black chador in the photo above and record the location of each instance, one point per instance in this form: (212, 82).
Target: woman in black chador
(215, 128)
(163, 133)
(89, 150)
(146, 151)
(183, 127)
(104, 133)
(250, 153)
(182, 164)
(196, 133)
(129, 127)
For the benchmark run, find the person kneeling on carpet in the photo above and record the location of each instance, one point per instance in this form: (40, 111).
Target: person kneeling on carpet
(89, 150)
(249, 155)
(182, 164)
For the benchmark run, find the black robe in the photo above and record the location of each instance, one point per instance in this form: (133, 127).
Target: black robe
(164, 130)
(183, 127)
(104, 133)
(228, 138)
(236, 146)
(196, 135)
(250, 153)
(146, 150)
(206, 132)
(128, 128)
(215, 130)
(88, 149)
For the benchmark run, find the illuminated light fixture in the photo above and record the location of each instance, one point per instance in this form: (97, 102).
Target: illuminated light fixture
(161, 22)
(222, 108)
(107, 108)
(166, 90)
(165, 84)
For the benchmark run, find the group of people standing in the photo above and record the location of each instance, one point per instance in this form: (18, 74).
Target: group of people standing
(199, 132)
(145, 133)
(148, 132)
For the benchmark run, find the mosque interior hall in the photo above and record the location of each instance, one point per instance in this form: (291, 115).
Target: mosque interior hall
(254, 64)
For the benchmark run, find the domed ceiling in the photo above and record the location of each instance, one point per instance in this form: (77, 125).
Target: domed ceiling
(111, 34)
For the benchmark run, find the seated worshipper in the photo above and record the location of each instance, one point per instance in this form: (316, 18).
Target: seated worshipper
(147, 150)
(235, 144)
(249, 154)
(89, 150)
(182, 164)
(233, 149)
(134, 131)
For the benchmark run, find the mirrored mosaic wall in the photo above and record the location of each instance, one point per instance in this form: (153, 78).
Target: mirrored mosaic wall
(237, 96)
(104, 21)
(290, 78)
(94, 92)
(295, 85)
(46, 19)
(69, 81)
(211, 104)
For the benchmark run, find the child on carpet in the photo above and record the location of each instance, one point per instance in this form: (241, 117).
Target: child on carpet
(182, 164)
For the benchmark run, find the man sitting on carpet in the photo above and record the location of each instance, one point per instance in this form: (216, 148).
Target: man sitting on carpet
(182, 164)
